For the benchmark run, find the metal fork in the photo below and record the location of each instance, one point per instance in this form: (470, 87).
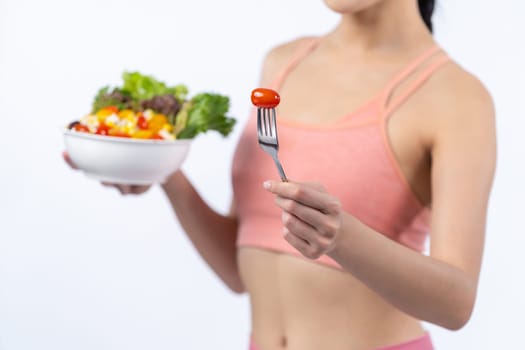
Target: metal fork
(267, 135)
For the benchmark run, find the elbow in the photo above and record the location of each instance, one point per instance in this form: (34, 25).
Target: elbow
(237, 288)
(457, 321)
(461, 312)
(235, 285)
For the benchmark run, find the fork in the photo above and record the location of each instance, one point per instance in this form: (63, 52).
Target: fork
(266, 100)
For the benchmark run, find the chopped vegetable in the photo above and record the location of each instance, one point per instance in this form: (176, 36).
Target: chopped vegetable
(207, 112)
(146, 108)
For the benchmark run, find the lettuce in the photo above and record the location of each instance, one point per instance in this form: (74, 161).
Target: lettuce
(143, 87)
(207, 112)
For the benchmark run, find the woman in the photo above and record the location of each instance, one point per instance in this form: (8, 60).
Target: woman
(385, 139)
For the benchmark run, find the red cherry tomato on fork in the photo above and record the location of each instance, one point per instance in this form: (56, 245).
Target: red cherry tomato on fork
(265, 98)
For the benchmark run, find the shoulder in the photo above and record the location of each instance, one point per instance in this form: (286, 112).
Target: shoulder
(462, 124)
(461, 93)
(458, 101)
(278, 57)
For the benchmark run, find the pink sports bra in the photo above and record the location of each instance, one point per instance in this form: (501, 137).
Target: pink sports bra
(352, 158)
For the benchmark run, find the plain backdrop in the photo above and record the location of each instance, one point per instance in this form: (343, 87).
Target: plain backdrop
(82, 267)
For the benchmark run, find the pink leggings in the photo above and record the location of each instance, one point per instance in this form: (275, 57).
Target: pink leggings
(422, 343)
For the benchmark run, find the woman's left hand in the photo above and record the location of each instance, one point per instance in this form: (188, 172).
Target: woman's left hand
(311, 216)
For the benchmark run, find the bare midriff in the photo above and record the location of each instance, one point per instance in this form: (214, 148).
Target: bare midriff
(300, 305)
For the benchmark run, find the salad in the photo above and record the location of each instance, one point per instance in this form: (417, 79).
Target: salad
(146, 108)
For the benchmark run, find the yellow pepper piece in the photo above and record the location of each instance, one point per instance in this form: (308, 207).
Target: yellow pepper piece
(126, 114)
(105, 112)
(142, 134)
(156, 122)
(167, 127)
(129, 129)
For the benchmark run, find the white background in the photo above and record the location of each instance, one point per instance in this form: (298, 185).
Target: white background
(82, 267)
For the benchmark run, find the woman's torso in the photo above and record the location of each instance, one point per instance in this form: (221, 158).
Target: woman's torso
(299, 304)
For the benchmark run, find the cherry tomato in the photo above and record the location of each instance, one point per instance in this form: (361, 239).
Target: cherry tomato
(265, 98)
(142, 123)
(102, 129)
(81, 128)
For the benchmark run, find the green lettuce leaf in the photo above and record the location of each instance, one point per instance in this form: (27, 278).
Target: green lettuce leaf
(207, 112)
(143, 87)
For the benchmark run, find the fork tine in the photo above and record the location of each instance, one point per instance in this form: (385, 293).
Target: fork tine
(273, 123)
(267, 130)
(259, 127)
(268, 122)
(263, 122)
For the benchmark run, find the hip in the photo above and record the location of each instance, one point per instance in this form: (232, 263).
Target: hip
(423, 342)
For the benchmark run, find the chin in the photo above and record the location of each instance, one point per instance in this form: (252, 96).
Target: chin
(350, 6)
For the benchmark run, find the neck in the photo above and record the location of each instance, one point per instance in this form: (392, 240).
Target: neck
(387, 26)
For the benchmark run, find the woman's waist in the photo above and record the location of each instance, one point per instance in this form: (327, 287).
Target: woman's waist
(295, 301)
(358, 324)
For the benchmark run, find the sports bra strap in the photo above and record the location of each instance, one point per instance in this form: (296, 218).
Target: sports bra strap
(390, 107)
(433, 59)
(409, 70)
(301, 52)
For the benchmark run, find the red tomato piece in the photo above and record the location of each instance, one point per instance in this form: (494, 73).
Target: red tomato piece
(114, 109)
(142, 123)
(103, 126)
(265, 98)
(81, 128)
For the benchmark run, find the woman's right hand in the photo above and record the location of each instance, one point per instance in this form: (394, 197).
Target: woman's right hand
(123, 189)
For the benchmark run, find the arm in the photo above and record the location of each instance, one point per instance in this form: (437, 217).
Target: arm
(440, 288)
(212, 234)
(217, 248)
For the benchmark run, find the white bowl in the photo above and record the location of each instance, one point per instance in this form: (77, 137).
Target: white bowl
(123, 160)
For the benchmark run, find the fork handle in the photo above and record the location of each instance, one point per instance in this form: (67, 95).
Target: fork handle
(280, 169)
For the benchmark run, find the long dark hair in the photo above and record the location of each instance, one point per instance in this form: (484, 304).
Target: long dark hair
(426, 8)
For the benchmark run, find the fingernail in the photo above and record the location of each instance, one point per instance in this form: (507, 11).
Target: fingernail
(266, 185)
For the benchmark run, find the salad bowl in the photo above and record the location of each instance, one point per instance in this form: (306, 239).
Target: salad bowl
(125, 160)
(140, 132)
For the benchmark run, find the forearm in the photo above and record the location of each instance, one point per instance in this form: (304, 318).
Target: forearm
(212, 234)
(421, 286)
